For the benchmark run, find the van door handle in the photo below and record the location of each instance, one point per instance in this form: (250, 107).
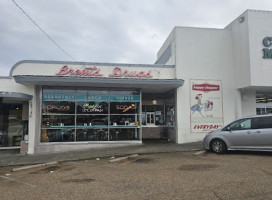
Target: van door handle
(258, 132)
(248, 132)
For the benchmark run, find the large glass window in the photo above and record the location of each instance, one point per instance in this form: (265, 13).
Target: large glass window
(158, 115)
(89, 115)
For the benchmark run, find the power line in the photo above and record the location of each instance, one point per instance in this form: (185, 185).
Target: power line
(47, 35)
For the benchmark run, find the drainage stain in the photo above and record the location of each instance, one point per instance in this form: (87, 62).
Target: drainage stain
(86, 180)
(67, 169)
(199, 167)
(143, 160)
(46, 170)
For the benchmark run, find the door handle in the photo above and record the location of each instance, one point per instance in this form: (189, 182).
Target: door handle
(248, 132)
(258, 132)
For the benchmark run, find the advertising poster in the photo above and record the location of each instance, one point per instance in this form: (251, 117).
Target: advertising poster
(206, 105)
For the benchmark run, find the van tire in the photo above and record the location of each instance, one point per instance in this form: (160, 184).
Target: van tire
(218, 146)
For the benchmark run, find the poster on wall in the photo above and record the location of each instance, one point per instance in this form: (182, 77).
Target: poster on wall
(206, 105)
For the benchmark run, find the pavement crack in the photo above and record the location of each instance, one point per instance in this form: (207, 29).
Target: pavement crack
(217, 195)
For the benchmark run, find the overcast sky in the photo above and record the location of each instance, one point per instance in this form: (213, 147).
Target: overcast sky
(115, 31)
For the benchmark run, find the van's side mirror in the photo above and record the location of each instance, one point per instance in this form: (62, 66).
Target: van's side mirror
(228, 128)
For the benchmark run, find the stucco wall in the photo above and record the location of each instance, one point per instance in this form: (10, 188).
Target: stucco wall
(9, 85)
(203, 54)
(259, 27)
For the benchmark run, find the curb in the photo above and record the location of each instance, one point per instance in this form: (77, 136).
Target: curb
(105, 156)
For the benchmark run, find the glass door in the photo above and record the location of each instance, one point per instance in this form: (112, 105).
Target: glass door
(11, 127)
(150, 118)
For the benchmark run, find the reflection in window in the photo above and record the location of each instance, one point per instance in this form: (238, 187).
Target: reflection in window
(50, 121)
(124, 120)
(241, 124)
(58, 135)
(89, 115)
(92, 134)
(124, 134)
(92, 120)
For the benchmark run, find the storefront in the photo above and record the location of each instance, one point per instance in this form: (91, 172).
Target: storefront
(203, 79)
(88, 105)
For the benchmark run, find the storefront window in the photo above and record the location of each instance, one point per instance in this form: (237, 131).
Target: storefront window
(89, 115)
(170, 115)
(158, 115)
(124, 118)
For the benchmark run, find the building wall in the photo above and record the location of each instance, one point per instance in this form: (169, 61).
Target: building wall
(259, 27)
(203, 54)
(9, 85)
(240, 49)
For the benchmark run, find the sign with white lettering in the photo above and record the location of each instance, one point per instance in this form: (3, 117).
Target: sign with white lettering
(206, 105)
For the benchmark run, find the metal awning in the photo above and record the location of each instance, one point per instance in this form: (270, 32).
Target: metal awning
(147, 85)
(16, 95)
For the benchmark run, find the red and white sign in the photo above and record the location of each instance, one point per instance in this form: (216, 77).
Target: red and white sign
(206, 87)
(206, 105)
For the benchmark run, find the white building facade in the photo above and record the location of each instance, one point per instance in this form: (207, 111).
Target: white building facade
(203, 79)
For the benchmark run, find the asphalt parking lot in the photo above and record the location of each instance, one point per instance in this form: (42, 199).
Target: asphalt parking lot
(181, 175)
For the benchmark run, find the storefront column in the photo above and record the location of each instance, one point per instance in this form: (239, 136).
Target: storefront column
(182, 122)
(248, 103)
(238, 104)
(33, 123)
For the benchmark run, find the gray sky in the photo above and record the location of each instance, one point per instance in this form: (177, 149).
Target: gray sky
(122, 31)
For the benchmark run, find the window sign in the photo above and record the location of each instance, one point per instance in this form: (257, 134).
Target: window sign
(58, 97)
(134, 98)
(92, 107)
(90, 97)
(124, 107)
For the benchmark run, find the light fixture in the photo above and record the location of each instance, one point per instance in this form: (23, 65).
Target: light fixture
(241, 19)
(154, 101)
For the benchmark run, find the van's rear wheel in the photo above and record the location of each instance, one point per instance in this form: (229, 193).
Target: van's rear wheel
(218, 146)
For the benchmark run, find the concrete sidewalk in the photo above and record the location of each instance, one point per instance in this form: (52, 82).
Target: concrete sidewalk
(13, 158)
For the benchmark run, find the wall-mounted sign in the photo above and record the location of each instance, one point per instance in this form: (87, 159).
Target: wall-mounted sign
(267, 42)
(95, 72)
(118, 72)
(134, 98)
(206, 105)
(88, 71)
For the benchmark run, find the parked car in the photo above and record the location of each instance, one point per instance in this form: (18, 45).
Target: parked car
(252, 133)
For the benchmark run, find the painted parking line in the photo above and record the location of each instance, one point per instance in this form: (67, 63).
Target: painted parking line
(200, 152)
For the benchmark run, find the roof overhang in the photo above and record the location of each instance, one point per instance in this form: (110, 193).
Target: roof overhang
(15, 95)
(147, 85)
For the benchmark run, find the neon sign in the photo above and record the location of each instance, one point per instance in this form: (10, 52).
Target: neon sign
(88, 71)
(94, 71)
(92, 108)
(56, 107)
(125, 107)
(118, 72)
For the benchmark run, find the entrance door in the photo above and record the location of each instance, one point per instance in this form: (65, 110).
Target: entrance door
(150, 118)
(11, 127)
